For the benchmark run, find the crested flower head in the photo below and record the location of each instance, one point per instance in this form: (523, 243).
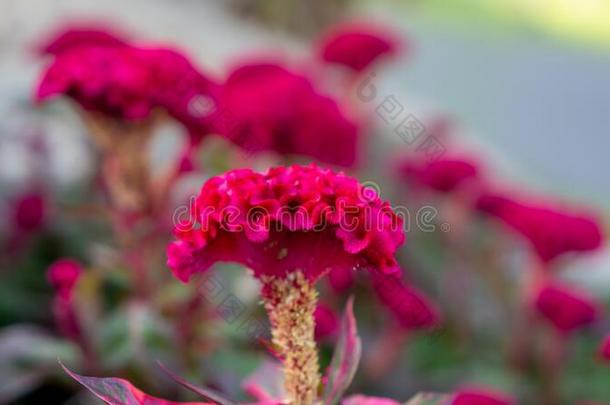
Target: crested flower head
(481, 397)
(81, 36)
(129, 83)
(604, 350)
(565, 309)
(551, 231)
(357, 46)
(290, 218)
(444, 175)
(266, 107)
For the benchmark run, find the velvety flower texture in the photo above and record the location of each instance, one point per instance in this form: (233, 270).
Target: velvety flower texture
(551, 231)
(290, 218)
(604, 350)
(266, 107)
(357, 46)
(565, 309)
(444, 175)
(128, 83)
(481, 397)
(81, 36)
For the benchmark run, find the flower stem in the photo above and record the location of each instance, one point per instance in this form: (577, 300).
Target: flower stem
(290, 303)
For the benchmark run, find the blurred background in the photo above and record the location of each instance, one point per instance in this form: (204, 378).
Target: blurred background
(523, 84)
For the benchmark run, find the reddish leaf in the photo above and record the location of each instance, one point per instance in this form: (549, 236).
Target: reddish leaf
(345, 359)
(117, 391)
(266, 383)
(204, 392)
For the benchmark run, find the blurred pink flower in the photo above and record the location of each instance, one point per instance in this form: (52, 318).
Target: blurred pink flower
(289, 218)
(129, 83)
(29, 212)
(63, 275)
(327, 321)
(444, 175)
(565, 309)
(357, 46)
(605, 349)
(551, 231)
(481, 397)
(82, 35)
(411, 309)
(266, 107)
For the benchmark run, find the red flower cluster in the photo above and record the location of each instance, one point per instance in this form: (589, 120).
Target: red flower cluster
(267, 107)
(288, 219)
(127, 82)
(29, 212)
(566, 310)
(327, 321)
(551, 232)
(357, 46)
(443, 175)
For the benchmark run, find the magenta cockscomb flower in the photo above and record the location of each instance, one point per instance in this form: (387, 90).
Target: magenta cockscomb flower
(552, 231)
(81, 35)
(604, 349)
(443, 175)
(297, 217)
(357, 46)
(481, 397)
(63, 275)
(290, 226)
(266, 107)
(128, 83)
(567, 310)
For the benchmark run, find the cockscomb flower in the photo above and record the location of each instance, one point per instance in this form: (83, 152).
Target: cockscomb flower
(121, 91)
(565, 309)
(63, 275)
(81, 36)
(290, 226)
(481, 397)
(604, 349)
(551, 231)
(357, 46)
(443, 175)
(266, 107)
